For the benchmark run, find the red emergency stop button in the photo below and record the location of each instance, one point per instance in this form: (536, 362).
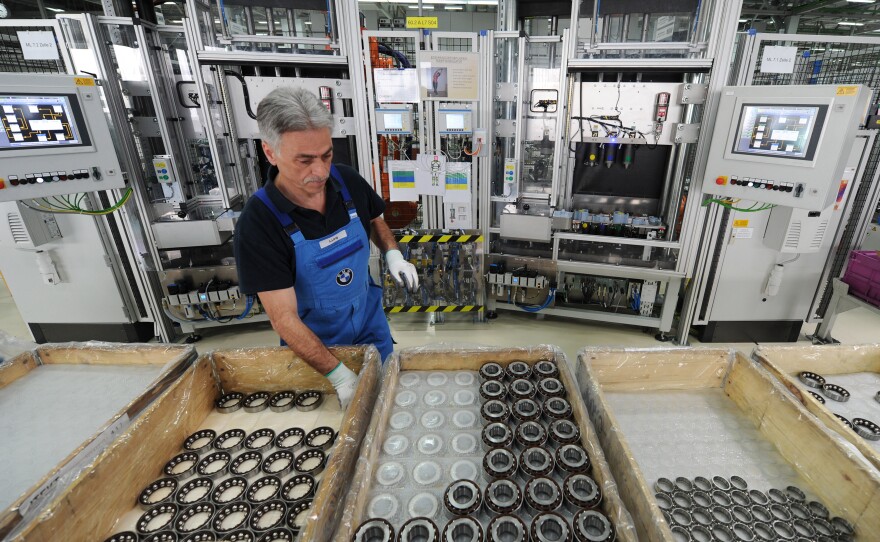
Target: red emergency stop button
(2, 184)
(722, 180)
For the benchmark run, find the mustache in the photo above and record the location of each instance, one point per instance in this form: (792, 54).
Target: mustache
(314, 179)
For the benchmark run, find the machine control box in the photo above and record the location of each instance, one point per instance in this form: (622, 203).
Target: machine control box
(455, 121)
(784, 145)
(394, 121)
(55, 138)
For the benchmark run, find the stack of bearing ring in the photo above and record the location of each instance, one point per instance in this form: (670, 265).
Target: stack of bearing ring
(236, 485)
(703, 509)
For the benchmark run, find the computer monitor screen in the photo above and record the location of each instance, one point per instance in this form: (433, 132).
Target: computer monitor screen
(780, 131)
(32, 122)
(393, 121)
(454, 122)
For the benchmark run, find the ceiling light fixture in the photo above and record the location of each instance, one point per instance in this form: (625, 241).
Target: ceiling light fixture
(861, 1)
(453, 8)
(56, 10)
(849, 23)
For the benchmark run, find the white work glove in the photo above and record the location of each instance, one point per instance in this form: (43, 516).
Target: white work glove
(344, 381)
(401, 270)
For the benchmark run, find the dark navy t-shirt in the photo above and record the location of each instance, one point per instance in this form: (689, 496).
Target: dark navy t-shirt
(264, 253)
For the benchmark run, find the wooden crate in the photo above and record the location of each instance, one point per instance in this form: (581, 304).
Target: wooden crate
(471, 359)
(89, 508)
(848, 485)
(785, 362)
(174, 358)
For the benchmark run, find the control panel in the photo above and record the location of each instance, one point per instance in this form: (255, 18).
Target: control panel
(458, 121)
(164, 169)
(784, 145)
(55, 139)
(394, 121)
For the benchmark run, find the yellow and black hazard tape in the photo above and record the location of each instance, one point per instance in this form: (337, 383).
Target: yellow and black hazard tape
(435, 308)
(439, 238)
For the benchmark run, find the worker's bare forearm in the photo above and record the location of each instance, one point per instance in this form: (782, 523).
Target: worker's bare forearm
(381, 235)
(304, 343)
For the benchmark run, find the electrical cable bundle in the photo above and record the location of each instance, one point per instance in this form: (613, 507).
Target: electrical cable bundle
(68, 204)
(728, 203)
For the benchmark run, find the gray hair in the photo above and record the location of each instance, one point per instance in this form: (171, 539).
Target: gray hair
(288, 109)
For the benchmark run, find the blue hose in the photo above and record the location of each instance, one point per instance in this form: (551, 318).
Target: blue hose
(533, 308)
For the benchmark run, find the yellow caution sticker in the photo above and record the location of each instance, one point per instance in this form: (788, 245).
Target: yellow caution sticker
(84, 81)
(421, 22)
(847, 91)
(740, 223)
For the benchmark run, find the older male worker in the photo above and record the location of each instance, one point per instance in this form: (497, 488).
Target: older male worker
(302, 242)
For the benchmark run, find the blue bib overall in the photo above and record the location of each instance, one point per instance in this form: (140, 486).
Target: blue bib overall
(335, 296)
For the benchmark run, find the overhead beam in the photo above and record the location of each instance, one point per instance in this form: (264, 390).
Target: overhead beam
(813, 6)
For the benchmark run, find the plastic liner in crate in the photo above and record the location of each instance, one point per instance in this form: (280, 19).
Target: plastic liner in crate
(863, 275)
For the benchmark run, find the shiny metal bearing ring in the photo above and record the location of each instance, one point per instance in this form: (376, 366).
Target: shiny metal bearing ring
(782, 530)
(581, 492)
(866, 428)
(181, 465)
(494, 410)
(309, 400)
(518, 369)
(721, 515)
(818, 510)
(722, 532)
(742, 514)
(231, 517)
(493, 389)
(810, 379)
(795, 494)
(545, 369)
(701, 498)
(499, 463)
(157, 518)
(282, 401)
(536, 462)
(462, 530)
(702, 483)
(321, 438)
(507, 529)
(194, 491)
(777, 496)
(264, 489)
(214, 465)
(521, 388)
(162, 536)
(256, 402)
(290, 439)
(551, 387)
(680, 516)
(491, 371)
(526, 410)
(557, 408)
(702, 516)
(738, 482)
(843, 528)
(761, 513)
(543, 495)
(800, 510)
(246, 464)
(159, 492)
(681, 533)
(721, 498)
(664, 485)
(564, 432)
(462, 498)
(202, 536)
(260, 440)
(297, 509)
(530, 434)
(664, 500)
(279, 534)
(229, 402)
(374, 530)
(683, 484)
(229, 490)
(844, 421)
(700, 533)
(301, 486)
(573, 459)
(817, 397)
(230, 441)
(268, 515)
(310, 454)
(497, 435)
(592, 526)
(278, 463)
(503, 496)
(194, 518)
(720, 483)
(550, 527)
(419, 529)
(124, 536)
(239, 536)
(682, 499)
(835, 393)
(759, 497)
(780, 512)
(200, 441)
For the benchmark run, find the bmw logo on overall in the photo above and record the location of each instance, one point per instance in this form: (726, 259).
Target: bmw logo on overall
(343, 278)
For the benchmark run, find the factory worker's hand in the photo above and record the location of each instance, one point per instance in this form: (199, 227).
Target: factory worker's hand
(344, 381)
(401, 270)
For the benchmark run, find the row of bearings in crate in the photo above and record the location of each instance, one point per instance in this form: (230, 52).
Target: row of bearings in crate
(864, 428)
(280, 401)
(725, 509)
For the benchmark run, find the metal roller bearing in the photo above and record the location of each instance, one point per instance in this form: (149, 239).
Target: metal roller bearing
(309, 400)
(664, 500)
(239, 536)
(159, 492)
(557, 408)
(493, 389)
(260, 440)
(573, 459)
(256, 402)
(777, 496)
(761, 513)
(124, 536)
(702, 516)
(721, 498)
(682, 499)
(157, 519)
(491, 371)
(200, 441)
(230, 441)
(282, 401)
(759, 497)
(290, 439)
(700, 533)
(810, 379)
(503, 497)
(246, 464)
(866, 428)
(182, 465)
(703, 484)
(462, 530)
(764, 531)
(551, 387)
(824, 527)
(278, 463)
(550, 527)
(297, 509)
(680, 516)
(800, 511)
(321, 438)
(720, 483)
(592, 526)
(214, 465)
(497, 435)
(804, 528)
(818, 510)
(202, 536)
(162, 536)
(543, 495)
(739, 483)
(741, 514)
(683, 484)
(229, 490)
(282, 534)
(844, 421)
(268, 515)
(545, 369)
(521, 388)
(518, 369)
(462, 498)
(494, 410)
(526, 410)
(499, 463)
(664, 485)
(681, 533)
(536, 462)
(264, 489)
(564, 432)
(780, 512)
(816, 396)
(419, 530)
(194, 518)
(723, 533)
(740, 498)
(667, 517)
(721, 515)
(229, 402)
(581, 492)
(307, 458)
(783, 530)
(374, 530)
(231, 517)
(701, 498)
(795, 494)
(301, 486)
(507, 529)
(194, 491)
(835, 393)
(530, 434)
(843, 528)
